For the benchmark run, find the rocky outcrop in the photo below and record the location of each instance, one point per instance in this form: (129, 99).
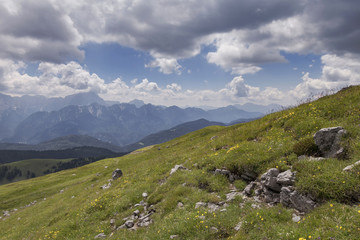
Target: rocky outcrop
(328, 142)
(277, 187)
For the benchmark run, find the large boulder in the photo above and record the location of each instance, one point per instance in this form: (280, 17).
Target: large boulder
(328, 141)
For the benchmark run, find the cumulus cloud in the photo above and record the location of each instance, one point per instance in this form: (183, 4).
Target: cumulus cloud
(337, 72)
(165, 65)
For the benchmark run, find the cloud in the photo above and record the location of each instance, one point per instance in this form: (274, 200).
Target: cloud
(37, 31)
(165, 65)
(337, 72)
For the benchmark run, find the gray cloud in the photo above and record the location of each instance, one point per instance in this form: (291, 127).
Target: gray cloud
(35, 30)
(53, 31)
(336, 23)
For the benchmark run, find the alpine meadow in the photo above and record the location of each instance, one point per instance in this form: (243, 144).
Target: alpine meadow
(188, 188)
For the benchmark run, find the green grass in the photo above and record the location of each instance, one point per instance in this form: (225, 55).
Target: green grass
(83, 210)
(37, 166)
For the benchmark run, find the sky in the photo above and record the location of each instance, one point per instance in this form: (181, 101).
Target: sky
(180, 52)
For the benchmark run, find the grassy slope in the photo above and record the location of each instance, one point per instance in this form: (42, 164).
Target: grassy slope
(37, 166)
(83, 209)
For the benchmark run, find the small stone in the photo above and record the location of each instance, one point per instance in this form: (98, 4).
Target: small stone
(122, 227)
(136, 213)
(62, 190)
(112, 222)
(255, 206)
(213, 207)
(238, 226)
(350, 167)
(100, 235)
(6, 213)
(129, 224)
(144, 195)
(174, 236)
(180, 205)
(214, 229)
(296, 218)
(176, 168)
(200, 204)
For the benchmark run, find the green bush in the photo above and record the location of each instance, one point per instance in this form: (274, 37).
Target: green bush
(307, 147)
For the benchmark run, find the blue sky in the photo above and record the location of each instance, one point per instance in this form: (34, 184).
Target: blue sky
(187, 53)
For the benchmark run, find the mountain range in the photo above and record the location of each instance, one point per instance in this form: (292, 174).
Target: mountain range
(37, 119)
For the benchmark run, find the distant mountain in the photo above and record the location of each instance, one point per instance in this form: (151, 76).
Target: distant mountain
(265, 109)
(230, 113)
(167, 135)
(119, 124)
(13, 110)
(137, 103)
(61, 143)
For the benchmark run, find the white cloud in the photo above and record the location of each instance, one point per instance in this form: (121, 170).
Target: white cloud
(337, 72)
(165, 65)
(174, 86)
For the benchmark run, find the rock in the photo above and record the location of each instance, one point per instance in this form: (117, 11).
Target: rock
(255, 206)
(100, 235)
(286, 178)
(269, 178)
(6, 213)
(174, 236)
(200, 204)
(112, 222)
(301, 202)
(214, 229)
(122, 227)
(328, 141)
(176, 168)
(213, 207)
(62, 190)
(296, 218)
(248, 176)
(285, 196)
(180, 205)
(129, 223)
(350, 167)
(271, 196)
(116, 174)
(238, 226)
(144, 195)
(106, 186)
(136, 213)
(310, 158)
(249, 188)
(232, 195)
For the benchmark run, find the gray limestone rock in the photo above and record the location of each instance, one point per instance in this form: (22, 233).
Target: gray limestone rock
(286, 178)
(328, 141)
